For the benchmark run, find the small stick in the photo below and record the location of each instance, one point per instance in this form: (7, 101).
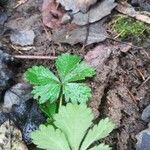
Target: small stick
(148, 78)
(34, 57)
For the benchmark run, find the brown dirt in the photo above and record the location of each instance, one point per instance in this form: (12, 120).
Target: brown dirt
(119, 90)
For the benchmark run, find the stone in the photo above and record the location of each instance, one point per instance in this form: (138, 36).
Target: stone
(3, 17)
(23, 38)
(146, 114)
(5, 71)
(27, 116)
(65, 19)
(143, 140)
(17, 94)
(11, 137)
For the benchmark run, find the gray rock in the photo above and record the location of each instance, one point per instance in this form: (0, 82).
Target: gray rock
(143, 140)
(19, 93)
(146, 114)
(3, 17)
(23, 38)
(5, 72)
(27, 117)
(3, 117)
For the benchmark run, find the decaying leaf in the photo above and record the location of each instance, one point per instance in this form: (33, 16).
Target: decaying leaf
(97, 12)
(77, 5)
(96, 33)
(128, 10)
(11, 137)
(51, 14)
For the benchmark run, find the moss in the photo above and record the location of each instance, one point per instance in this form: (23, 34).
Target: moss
(126, 27)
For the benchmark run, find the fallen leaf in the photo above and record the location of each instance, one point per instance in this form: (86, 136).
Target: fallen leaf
(11, 137)
(128, 10)
(51, 14)
(96, 12)
(77, 5)
(96, 33)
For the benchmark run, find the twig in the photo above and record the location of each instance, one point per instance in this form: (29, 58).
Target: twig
(148, 78)
(34, 57)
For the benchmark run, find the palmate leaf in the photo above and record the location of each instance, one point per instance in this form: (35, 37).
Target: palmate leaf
(50, 139)
(101, 147)
(70, 68)
(74, 120)
(76, 92)
(99, 131)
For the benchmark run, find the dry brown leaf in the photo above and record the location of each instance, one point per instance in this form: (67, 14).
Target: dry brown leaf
(51, 14)
(86, 35)
(128, 10)
(97, 12)
(77, 5)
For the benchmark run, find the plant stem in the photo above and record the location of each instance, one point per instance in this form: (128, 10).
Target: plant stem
(60, 100)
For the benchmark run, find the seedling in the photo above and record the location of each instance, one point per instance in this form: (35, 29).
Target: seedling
(48, 88)
(73, 130)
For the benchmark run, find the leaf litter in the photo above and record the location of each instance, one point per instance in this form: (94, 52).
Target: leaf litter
(84, 26)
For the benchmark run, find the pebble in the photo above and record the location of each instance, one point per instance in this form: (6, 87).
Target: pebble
(16, 95)
(146, 114)
(22, 38)
(65, 19)
(143, 140)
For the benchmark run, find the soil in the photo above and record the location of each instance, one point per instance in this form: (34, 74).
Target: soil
(120, 88)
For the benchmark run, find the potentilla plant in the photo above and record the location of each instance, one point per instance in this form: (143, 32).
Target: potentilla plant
(68, 82)
(71, 126)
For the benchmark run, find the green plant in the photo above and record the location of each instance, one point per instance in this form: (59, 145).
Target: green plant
(126, 26)
(73, 130)
(48, 87)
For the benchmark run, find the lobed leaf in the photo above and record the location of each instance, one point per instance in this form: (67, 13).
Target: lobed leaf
(50, 139)
(65, 63)
(39, 75)
(76, 92)
(98, 132)
(74, 120)
(47, 92)
(80, 72)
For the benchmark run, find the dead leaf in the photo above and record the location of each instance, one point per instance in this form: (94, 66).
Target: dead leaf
(77, 5)
(97, 33)
(96, 12)
(11, 137)
(128, 10)
(51, 14)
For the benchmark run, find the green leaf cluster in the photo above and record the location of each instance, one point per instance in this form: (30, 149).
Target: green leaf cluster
(49, 87)
(73, 130)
